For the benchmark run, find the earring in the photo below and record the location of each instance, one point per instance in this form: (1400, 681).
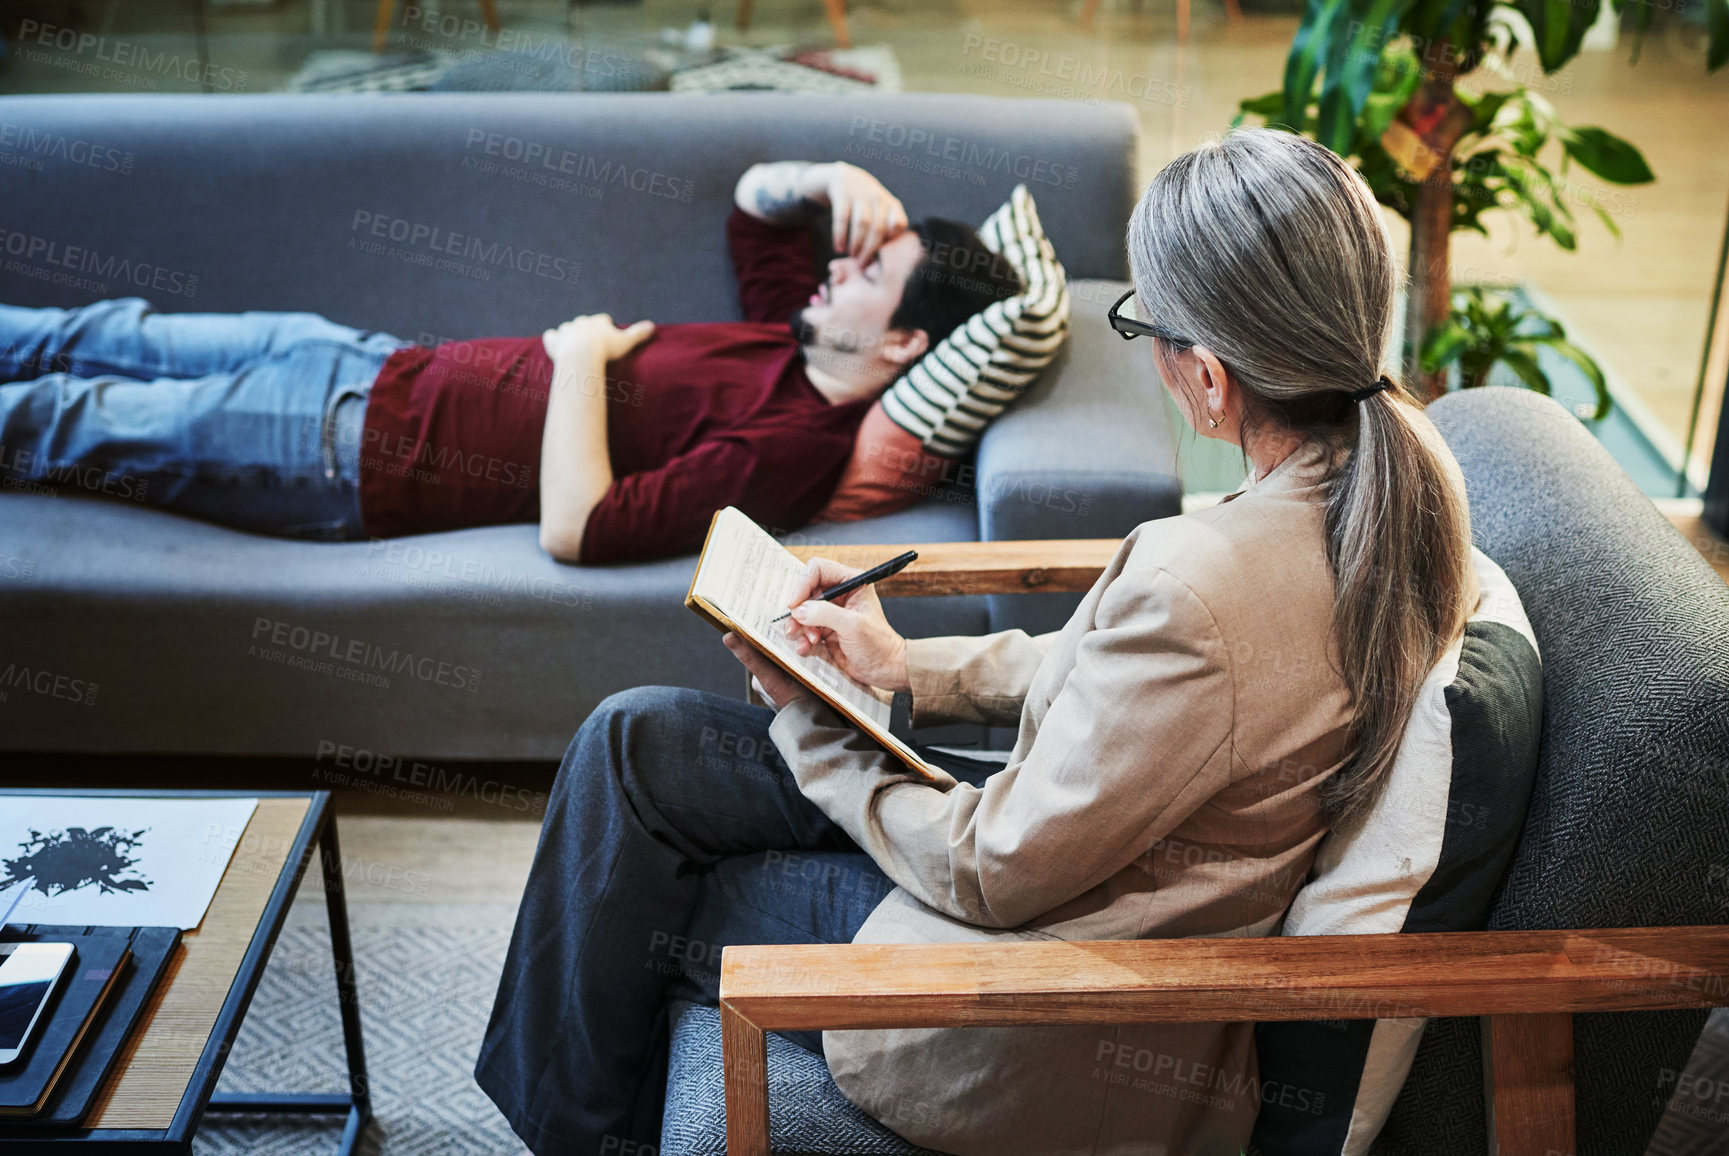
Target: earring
(1212, 422)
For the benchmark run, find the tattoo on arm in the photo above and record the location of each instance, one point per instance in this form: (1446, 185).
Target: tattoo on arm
(783, 204)
(779, 195)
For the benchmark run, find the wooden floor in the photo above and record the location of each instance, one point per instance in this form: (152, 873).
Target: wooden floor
(1705, 540)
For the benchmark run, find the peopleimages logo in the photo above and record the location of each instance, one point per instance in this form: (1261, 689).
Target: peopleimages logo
(66, 260)
(326, 653)
(539, 158)
(899, 145)
(442, 460)
(29, 144)
(434, 241)
(114, 58)
(1059, 74)
(48, 684)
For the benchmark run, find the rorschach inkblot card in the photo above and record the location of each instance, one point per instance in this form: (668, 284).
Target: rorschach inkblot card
(108, 860)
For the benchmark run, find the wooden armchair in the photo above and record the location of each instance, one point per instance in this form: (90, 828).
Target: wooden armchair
(1525, 985)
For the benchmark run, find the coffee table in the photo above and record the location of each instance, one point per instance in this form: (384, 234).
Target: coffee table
(164, 1080)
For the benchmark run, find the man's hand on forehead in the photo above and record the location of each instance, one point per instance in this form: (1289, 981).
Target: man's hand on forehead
(865, 213)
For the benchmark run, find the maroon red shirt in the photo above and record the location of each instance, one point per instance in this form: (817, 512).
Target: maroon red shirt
(698, 417)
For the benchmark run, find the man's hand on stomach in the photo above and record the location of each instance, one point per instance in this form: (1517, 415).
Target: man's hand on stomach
(575, 467)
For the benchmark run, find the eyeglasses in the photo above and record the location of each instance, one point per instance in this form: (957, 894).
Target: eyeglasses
(1129, 326)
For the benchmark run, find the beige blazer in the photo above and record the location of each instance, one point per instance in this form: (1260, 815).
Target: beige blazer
(1163, 783)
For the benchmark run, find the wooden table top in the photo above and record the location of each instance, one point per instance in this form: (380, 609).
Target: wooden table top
(152, 1073)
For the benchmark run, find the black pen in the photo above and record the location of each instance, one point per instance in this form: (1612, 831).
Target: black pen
(874, 574)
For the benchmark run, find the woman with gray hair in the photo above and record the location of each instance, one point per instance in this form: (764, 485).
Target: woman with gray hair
(1236, 682)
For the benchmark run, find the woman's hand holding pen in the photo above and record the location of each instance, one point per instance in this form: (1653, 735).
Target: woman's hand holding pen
(852, 629)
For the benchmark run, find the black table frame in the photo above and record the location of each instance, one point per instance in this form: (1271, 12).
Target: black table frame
(317, 828)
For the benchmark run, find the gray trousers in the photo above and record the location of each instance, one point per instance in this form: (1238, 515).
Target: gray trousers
(673, 830)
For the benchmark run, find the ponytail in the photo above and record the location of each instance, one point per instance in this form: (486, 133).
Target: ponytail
(1398, 537)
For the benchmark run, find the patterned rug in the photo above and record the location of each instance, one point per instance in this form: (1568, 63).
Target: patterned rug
(871, 68)
(782, 68)
(346, 70)
(427, 974)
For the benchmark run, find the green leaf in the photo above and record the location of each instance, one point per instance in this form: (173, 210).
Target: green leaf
(1308, 46)
(1607, 155)
(1396, 80)
(1717, 21)
(1592, 371)
(1523, 364)
(1524, 120)
(1353, 54)
(1608, 221)
(1484, 108)
(1268, 106)
(1444, 345)
(1559, 27)
(1526, 182)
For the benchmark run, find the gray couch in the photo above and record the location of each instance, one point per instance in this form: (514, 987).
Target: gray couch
(1627, 826)
(199, 639)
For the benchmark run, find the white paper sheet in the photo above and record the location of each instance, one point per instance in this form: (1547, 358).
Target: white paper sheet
(114, 861)
(750, 576)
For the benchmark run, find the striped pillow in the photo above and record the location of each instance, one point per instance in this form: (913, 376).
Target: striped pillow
(1428, 856)
(974, 373)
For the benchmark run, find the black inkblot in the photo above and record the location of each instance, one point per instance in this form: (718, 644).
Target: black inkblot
(74, 858)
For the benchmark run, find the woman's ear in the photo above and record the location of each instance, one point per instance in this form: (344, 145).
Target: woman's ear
(1218, 389)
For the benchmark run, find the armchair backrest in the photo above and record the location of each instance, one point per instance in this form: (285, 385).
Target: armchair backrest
(1627, 824)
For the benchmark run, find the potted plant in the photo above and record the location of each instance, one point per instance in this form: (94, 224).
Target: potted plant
(1382, 82)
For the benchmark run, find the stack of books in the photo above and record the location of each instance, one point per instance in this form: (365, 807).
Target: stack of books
(99, 999)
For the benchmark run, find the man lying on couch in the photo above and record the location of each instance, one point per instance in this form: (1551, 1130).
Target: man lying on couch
(620, 442)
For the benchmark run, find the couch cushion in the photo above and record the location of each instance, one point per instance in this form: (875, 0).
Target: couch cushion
(466, 645)
(807, 1115)
(1428, 856)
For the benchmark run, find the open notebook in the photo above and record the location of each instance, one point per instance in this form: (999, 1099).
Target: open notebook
(744, 580)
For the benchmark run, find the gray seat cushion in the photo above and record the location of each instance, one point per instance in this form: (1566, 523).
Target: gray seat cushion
(471, 644)
(807, 1116)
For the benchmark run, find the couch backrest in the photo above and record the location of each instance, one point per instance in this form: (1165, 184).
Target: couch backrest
(1628, 824)
(446, 216)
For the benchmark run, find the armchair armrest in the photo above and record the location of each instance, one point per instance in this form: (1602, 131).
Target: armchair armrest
(1057, 566)
(1526, 984)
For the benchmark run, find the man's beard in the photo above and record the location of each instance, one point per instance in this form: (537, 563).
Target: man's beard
(807, 334)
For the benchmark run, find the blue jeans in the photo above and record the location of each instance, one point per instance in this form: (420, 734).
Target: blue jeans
(252, 420)
(673, 830)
